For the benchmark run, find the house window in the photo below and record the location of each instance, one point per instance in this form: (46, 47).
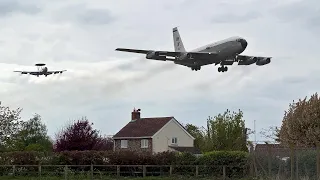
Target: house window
(124, 143)
(174, 140)
(144, 143)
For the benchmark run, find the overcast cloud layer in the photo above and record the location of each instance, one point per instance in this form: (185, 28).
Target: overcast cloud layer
(105, 85)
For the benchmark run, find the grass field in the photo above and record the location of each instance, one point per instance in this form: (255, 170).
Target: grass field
(102, 178)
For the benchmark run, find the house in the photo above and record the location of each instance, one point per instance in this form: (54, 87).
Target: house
(154, 134)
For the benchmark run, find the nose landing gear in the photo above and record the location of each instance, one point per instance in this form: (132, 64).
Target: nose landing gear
(222, 69)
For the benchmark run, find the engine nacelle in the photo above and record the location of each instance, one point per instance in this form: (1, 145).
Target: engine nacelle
(227, 62)
(263, 61)
(248, 61)
(155, 56)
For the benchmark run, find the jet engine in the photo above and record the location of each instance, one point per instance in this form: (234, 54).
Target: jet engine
(155, 56)
(248, 61)
(263, 61)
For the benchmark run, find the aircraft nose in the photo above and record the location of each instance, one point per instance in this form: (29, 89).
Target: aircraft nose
(243, 43)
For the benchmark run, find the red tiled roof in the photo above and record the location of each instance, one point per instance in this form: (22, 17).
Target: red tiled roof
(277, 149)
(277, 146)
(143, 127)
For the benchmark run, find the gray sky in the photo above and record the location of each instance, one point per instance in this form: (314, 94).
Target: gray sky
(105, 85)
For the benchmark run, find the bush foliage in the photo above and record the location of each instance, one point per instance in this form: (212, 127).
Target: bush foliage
(81, 136)
(217, 158)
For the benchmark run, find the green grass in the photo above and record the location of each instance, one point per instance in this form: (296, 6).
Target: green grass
(100, 178)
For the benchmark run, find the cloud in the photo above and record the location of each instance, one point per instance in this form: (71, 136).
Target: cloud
(236, 18)
(10, 7)
(299, 13)
(105, 85)
(83, 15)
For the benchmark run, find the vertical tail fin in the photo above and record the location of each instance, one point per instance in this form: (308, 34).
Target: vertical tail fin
(178, 45)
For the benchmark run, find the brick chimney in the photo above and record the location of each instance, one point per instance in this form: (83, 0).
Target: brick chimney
(135, 114)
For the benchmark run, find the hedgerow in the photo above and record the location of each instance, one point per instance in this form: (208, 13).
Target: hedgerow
(216, 158)
(209, 163)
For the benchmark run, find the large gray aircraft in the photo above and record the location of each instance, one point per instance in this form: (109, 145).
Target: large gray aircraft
(224, 52)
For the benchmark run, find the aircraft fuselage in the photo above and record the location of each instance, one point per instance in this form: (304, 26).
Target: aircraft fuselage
(43, 71)
(227, 49)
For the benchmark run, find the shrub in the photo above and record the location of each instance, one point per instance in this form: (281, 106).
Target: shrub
(216, 158)
(236, 162)
(81, 157)
(21, 158)
(220, 158)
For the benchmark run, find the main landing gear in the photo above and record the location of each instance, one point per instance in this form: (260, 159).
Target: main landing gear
(222, 69)
(196, 68)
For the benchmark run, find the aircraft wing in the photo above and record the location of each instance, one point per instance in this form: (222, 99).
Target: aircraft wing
(142, 51)
(35, 73)
(248, 60)
(169, 53)
(55, 72)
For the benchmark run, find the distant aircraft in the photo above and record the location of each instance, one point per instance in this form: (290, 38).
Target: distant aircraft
(43, 71)
(224, 52)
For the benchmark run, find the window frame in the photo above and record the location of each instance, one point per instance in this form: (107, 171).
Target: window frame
(174, 140)
(144, 143)
(124, 145)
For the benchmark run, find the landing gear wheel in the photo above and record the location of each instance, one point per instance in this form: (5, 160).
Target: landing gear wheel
(225, 68)
(196, 68)
(222, 69)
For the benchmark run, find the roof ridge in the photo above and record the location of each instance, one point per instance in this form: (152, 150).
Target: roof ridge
(157, 117)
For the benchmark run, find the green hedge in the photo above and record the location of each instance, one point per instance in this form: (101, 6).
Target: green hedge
(236, 162)
(216, 158)
(213, 160)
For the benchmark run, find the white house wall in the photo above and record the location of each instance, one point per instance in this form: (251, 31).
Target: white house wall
(162, 139)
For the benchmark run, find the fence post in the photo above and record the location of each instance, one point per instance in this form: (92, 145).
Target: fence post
(254, 158)
(118, 170)
(91, 171)
(13, 170)
(66, 172)
(224, 172)
(39, 169)
(144, 170)
(197, 170)
(171, 170)
(269, 162)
